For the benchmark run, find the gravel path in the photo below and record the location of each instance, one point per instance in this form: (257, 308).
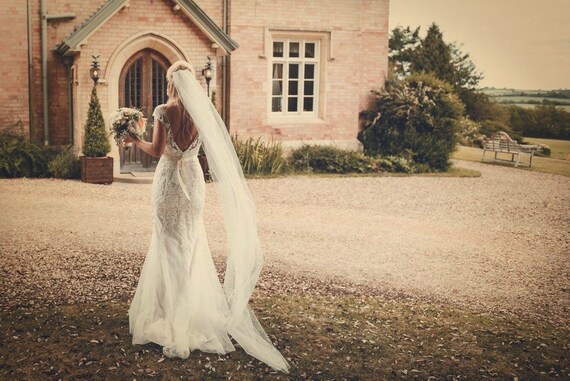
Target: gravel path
(500, 242)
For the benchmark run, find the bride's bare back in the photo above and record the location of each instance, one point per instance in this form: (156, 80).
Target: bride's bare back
(182, 127)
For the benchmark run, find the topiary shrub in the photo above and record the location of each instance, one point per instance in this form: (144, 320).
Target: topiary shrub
(96, 143)
(21, 157)
(65, 165)
(327, 159)
(420, 114)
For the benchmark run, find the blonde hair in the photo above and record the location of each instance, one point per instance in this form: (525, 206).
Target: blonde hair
(170, 88)
(172, 93)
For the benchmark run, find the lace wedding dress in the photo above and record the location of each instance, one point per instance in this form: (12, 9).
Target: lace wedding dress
(179, 302)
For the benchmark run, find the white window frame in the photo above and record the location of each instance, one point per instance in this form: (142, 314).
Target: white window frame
(301, 61)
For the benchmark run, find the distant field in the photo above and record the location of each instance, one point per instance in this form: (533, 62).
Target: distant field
(527, 105)
(520, 98)
(560, 149)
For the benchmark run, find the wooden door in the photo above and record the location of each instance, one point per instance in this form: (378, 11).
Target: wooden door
(142, 85)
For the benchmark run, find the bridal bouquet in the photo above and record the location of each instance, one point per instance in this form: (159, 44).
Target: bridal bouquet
(127, 122)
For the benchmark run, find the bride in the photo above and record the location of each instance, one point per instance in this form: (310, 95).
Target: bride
(179, 302)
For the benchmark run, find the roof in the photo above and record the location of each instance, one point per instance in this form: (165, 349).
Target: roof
(81, 33)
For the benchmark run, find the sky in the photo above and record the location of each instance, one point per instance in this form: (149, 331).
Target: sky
(521, 44)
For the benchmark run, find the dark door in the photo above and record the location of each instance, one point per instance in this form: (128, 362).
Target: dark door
(142, 85)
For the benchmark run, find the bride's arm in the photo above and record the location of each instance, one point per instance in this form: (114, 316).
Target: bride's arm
(156, 147)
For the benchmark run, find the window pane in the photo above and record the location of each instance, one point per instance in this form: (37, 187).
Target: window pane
(277, 49)
(277, 71)
(308, 104)
(277, 87)
(309, 87)
(309, 71)
(293, 87)
(292, 104)
(294, 49)
(277, 104)
(293, 71)
(310, 50)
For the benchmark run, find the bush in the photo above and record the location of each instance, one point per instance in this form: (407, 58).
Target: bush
(420, 114)
(326, 159)
(469, 133)
(259, 157)
(21, 157)
(96, 142)
(65, 165)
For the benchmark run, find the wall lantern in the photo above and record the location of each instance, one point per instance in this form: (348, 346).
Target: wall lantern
(95, 70)
(208, 73)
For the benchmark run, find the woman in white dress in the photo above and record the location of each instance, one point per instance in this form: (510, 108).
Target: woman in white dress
(179, 302)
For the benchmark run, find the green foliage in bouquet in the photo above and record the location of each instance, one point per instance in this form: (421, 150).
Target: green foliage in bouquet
(96, 143)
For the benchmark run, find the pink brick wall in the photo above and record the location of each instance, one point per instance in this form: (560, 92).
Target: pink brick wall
(359, 41)
(141, 15)
(14, 67)
(359, 31)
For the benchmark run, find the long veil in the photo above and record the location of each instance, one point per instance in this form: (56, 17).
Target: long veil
(245, 259)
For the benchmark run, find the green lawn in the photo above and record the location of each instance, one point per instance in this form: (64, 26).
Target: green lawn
(539, 164)
(560, 149)
(324, 338)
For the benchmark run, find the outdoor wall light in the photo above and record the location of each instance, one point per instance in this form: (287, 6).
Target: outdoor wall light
(208, 73)
(95, 70)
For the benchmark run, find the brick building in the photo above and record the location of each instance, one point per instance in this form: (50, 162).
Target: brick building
(295, 70)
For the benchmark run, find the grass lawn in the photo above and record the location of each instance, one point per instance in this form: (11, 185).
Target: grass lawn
(539, 164)
(324, 338)
(560, 149)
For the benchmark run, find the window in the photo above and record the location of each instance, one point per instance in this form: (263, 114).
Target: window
(294, 76)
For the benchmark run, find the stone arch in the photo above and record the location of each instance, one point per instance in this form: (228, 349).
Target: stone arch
(171, 50)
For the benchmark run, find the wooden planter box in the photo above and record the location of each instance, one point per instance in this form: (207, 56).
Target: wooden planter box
(96, 170)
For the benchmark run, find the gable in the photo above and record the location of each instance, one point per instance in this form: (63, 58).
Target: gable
(78, 37)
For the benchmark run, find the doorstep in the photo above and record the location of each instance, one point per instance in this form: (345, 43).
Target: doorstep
(135, 177)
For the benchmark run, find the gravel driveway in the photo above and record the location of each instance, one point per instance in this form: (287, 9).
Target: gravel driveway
(500, 242)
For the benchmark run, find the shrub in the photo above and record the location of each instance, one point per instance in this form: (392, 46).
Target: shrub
(65, 165)
(96, 142)
(327, 159)
(259, 157)
(420, 114)
(21, 157)
(469, 133)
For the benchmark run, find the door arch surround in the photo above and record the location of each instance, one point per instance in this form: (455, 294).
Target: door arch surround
(156, 41)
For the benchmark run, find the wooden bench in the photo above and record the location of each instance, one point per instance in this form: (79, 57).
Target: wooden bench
(501, 143)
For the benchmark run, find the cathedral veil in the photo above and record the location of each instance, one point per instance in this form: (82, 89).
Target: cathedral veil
(244, 259)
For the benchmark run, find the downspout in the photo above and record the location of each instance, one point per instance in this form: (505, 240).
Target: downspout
(68, 62)
(225, 71)
(30, 72)
(44, 71)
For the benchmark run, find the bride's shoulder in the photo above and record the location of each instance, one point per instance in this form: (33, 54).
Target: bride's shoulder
(160, 112)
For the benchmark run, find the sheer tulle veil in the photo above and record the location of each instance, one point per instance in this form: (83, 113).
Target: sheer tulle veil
(244, 259)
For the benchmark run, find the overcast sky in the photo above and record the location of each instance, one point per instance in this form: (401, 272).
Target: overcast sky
(523, 44)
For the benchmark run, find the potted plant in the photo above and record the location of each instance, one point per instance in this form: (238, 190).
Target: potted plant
(96, 166)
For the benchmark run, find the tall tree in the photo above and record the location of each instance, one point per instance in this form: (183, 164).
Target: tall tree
(411, 54)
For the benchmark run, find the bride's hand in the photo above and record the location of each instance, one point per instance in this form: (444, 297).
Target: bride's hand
(129, 139)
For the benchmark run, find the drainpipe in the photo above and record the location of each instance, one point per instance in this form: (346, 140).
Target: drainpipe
(68, 62)
(44, 71)
(225, 72)
(30, 72)
(45, 18)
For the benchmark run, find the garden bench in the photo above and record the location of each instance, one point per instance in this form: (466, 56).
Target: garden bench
(501, 143)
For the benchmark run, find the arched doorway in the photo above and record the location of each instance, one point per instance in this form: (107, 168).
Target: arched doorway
(142, 84)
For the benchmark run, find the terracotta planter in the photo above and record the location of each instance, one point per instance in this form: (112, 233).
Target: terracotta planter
(96, 170)
(204, 164)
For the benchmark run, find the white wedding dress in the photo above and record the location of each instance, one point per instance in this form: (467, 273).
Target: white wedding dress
(179, 302)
